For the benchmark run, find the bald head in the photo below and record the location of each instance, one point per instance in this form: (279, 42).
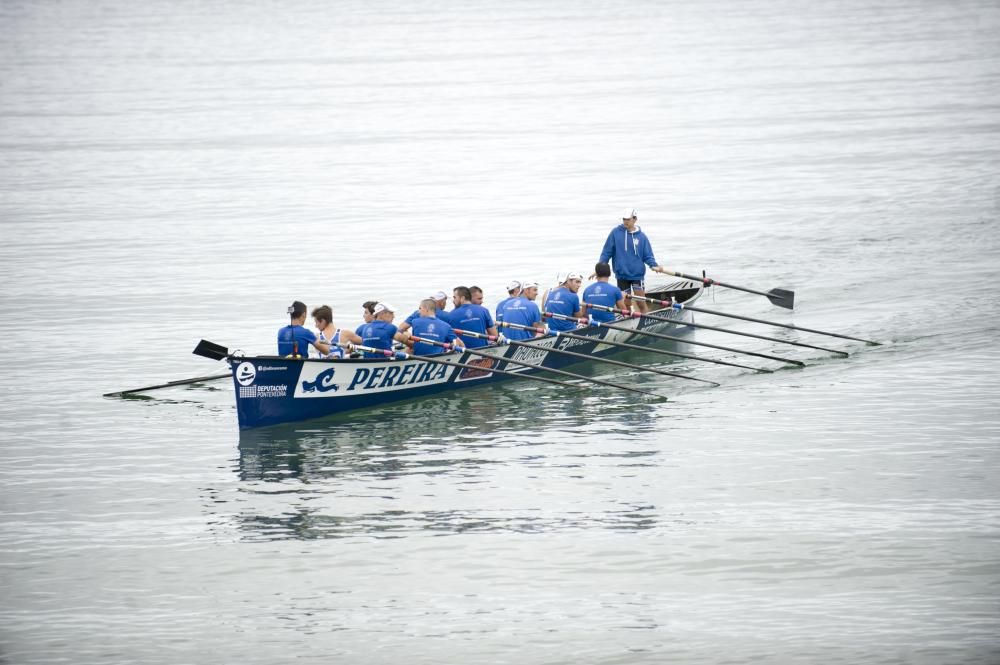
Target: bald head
(428, 307)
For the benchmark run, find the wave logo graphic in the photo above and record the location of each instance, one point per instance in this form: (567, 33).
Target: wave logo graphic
(323, 383)
(246, 373)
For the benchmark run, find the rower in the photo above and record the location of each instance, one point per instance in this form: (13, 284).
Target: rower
(294, 339)
(513, 291)
(564, 301)
(368, 310)
(560, 278)
(429, 326)
(520, 310)
(468, 316)
(440, 299)
(380, 333)
(328, 332)
(604, 294)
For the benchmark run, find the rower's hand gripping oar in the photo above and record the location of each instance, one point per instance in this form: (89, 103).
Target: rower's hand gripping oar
(692, 324)
(780, 297)
(668, 303)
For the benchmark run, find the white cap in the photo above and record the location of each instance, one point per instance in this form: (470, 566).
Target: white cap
(529, 284)
(513, 285)
(629, 213)
(384, 307)
(438, 295)
(574, 275)
(561, 276)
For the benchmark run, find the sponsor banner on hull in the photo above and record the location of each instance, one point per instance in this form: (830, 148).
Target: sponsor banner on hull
(351, 379)
(261, 380)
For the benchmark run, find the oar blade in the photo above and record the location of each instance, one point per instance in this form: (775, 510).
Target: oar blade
(782, 298)
(210, 350)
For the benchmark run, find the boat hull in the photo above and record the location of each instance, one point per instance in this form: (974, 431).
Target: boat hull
(271, 389)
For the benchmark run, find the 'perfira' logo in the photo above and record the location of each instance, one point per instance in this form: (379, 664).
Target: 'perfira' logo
(323, 382)
(246, 373)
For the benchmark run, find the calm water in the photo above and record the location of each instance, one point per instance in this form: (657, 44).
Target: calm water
(177, 170)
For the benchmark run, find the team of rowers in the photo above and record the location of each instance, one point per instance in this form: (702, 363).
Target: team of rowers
(431, 329)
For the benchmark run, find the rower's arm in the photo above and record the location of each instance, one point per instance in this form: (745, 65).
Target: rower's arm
(350, 336)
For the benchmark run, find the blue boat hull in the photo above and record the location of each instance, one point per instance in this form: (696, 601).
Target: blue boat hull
(271, 389)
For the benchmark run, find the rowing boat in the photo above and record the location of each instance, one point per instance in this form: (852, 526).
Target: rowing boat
(273, 389)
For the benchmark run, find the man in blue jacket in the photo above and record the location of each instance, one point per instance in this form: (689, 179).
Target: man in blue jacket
(630, 252)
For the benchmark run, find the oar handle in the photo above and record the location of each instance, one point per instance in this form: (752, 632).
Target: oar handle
(444, 345)
(398, 355)
(614, 310)
(666, 303)
(563, 317)
(471, 333)
(518, 326)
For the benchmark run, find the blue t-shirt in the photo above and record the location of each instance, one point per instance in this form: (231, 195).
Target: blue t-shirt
(377, 334)
(500, 305)
(474, 318)
(439, 313)
(428, 328)
(295, 340)
(521, 311)
(565, 302)
(602, 293)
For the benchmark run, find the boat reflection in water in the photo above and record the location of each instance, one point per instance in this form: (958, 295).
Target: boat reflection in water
(399, 470)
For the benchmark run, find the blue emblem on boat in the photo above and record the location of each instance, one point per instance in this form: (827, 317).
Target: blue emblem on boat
(323, 383)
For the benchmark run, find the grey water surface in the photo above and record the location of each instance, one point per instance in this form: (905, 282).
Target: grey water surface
(171, 171)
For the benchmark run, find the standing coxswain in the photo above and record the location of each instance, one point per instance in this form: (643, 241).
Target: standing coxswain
(630, 251)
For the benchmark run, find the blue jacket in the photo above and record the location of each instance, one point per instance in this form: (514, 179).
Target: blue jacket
(630, 253)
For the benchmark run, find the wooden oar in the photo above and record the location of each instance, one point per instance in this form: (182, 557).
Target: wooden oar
(636, 347)
(181, 382)
(780, 297)
(692, 324)
(399, 355)
(679, 306)
(584, 356)
(646, 349)
(684, 340)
